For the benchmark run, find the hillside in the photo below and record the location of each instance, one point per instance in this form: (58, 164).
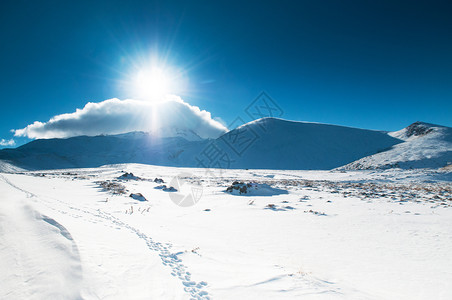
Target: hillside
(281, 144)
(85, 151)
(426, 146)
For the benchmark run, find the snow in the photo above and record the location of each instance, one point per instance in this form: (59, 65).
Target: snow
(96, 225)
(375, 234)
(39, 258)
(282, 144)
(7, 167)
(426, 146)
(253, 189)
(268, 143)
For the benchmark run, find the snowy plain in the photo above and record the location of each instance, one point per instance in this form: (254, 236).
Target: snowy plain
(76, 234)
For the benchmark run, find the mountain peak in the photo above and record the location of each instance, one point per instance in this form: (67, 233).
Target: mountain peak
(418, 129)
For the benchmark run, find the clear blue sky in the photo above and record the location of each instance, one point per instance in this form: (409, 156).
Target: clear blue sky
(369, 64)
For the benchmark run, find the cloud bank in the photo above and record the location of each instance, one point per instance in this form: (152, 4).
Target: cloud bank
(114, 116)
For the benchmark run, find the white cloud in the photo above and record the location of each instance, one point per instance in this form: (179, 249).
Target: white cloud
(5, 143)
(221, 121)
(116, 116)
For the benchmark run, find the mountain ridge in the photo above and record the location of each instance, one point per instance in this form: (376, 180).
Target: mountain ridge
(267, 143)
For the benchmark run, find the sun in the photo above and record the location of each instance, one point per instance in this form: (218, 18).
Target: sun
(152, 84)
(153, 77)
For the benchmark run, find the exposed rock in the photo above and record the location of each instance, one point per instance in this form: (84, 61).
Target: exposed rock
(138, 196)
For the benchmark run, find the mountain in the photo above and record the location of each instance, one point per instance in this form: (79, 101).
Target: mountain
(425, 146)
(267, 143)
(88, 151)
(282, 144)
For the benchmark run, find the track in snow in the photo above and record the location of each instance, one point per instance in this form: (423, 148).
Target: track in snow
(196, 290)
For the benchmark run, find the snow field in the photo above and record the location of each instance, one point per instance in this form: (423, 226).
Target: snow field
(333, 235)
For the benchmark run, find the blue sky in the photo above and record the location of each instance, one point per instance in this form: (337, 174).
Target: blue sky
(369, 64)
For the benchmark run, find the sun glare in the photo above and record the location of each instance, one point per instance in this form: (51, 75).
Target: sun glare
(153, 77)
(152, 84)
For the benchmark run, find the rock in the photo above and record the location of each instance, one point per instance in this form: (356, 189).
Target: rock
(138, 196)
(169, 189)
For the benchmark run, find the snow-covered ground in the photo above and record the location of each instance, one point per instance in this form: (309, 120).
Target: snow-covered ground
(70, 234)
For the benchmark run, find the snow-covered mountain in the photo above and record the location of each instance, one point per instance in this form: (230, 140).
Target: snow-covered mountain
(425, 146)
(267, 143)
(87, 151)
(280, 144)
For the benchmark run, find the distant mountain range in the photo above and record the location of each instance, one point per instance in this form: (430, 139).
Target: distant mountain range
(267, 143)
